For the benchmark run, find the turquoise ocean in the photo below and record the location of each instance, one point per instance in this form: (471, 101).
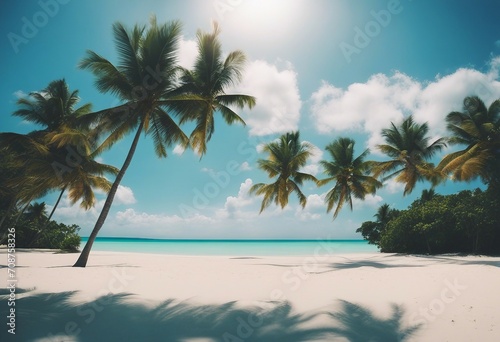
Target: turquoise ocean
(231, 247)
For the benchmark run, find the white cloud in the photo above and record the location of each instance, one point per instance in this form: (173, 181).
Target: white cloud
(278, 100)
(314, 209)
(313, 167)
(233, 207)
(315, 201)
(394, 187)
(371, 201)
(245, 166)
(178, 150)
(124, 195)
(20, 94)
(130, 217)
(369, 107)
(188, 51)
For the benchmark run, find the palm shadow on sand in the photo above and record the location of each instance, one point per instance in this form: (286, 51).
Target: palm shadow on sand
(117, 317)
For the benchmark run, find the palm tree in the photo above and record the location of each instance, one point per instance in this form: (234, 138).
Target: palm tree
(54, 108)
(372, 231)
(408, 146)
(478, 128)
(384, 214)
(286, 157)
(146, 81)
(349, 173)
(17, 183)
(36, 212)
(66, 162)
(208, 82)
(427, 195)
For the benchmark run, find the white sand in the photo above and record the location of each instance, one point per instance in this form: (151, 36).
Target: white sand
(356, 297)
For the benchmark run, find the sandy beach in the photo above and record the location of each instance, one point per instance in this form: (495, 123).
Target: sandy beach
(355, 297)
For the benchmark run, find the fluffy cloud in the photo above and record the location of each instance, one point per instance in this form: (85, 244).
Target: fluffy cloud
(124, 195)
(20, 94)
(313, 166)
(75, 214)
(314, 209)
(245, 166)
(370, 201)
(369, 107)
(188, 50)
(234, 206)
(178, 150)
(278, 100)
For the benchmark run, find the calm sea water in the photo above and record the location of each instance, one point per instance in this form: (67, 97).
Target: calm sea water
(231, 247)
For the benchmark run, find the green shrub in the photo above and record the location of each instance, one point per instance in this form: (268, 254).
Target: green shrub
(467, 222)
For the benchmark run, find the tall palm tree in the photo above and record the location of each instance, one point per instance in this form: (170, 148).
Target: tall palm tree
(349, 173)
(146, 80)
(478, 128)
(286, 157)
(408, 146)
(208, 82)
(144, 76)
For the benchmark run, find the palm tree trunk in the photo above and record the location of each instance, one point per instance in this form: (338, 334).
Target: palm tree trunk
(82, 260)
(55, 206)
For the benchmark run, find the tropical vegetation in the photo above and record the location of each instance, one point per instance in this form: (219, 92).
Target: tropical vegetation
(33, 229)
(157, 97)
(146, 81)
(467, 222)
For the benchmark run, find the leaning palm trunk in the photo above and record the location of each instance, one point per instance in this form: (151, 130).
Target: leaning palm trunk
(55, 206)
(82, 260)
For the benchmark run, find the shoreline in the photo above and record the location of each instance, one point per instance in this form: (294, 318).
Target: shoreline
(383, 296)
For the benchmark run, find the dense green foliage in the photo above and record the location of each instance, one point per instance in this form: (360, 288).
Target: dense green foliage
(34, 230)
(467, 222)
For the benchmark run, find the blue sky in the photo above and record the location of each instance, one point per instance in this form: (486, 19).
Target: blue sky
(327, 68)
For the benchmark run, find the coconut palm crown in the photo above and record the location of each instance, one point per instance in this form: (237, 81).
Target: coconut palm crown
(287, 156)
(205, 88)
(349, 173)
(409, 149)
(478, 128)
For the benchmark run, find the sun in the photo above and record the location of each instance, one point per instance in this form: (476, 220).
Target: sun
(266, 19)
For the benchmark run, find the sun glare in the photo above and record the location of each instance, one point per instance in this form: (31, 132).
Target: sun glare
(265, 18)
